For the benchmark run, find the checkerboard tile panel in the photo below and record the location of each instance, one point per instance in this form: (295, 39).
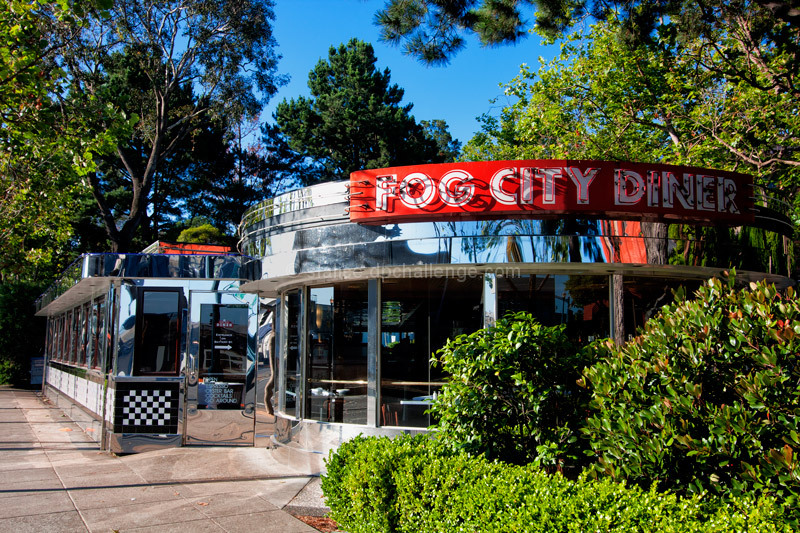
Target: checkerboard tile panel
(146, 408)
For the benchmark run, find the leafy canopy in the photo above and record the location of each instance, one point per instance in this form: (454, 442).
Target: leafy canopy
(434, 30)
(668, 102)
(188, 62)
(47, 140)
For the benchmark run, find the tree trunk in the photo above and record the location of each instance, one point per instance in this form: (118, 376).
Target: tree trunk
(618, 309)
(655, 242)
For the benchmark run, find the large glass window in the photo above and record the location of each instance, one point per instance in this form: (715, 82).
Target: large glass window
(418, 316)
(58, 341)
(293, 336)
(69, 337)
(157, 332)
(98, 332)
(645, 296)
(579, 302)
(84, 331)
(337, 353)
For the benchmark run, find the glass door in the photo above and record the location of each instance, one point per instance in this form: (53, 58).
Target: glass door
(220, 370)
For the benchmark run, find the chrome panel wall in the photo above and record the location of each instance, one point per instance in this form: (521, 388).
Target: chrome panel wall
(315, 238)
(109, 392)
(92, 269)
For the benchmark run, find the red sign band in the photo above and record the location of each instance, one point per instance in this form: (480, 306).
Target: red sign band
(548, 189)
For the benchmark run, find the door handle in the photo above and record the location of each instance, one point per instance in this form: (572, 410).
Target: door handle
(191, 371)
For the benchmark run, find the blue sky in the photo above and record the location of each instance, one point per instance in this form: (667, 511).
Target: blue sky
(456, 93)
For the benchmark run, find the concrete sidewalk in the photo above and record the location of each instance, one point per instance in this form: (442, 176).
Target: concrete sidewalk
(55, 478)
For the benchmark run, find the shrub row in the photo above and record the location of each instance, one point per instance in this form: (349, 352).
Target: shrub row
(417, 484)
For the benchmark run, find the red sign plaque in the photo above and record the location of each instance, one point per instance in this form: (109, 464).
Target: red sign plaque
(548, 189)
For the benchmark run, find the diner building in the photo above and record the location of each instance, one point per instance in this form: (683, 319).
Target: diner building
(322, 327)
(371, 276)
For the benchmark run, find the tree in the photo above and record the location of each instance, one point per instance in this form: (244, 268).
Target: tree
(353, 120)
(232, 179)
(433, 30)
(220, 51)
(46, 139)
(204, 234)
(665, 102)
(436, 130)
(23, 334)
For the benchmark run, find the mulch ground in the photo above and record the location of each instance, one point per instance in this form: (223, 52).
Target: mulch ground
(320, 523)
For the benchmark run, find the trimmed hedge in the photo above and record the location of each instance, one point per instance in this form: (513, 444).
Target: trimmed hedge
(415, 484)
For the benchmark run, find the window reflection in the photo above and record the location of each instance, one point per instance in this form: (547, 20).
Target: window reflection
(157, 332)
(292, 370)
(644, 297)
(579, 302)
(222, 355)
(417, 318)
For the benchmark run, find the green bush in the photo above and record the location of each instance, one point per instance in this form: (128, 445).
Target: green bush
(412, 484)
(358, 482)
(512, 394)
(204, 234)
(707, 398)
(11, 373)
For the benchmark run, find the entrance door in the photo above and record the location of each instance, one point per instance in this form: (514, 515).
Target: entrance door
(220, 370)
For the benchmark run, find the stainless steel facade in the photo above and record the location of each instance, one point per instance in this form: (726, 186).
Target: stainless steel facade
(309, 252)
(155, 350)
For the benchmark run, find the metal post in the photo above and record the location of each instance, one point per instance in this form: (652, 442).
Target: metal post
(373, 350)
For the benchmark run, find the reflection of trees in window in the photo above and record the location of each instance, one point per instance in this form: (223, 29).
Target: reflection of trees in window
(157, 332)
(547, 240)
(745, 248)
(579, 302)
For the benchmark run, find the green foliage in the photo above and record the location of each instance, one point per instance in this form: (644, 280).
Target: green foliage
(359, 482)
(47, 141)
(680, 97)
(11, 372)
(511, 393)
(707, 398)
(204, 234)
(413, 484)
(183, 68)
(354, 120)
(432, 30)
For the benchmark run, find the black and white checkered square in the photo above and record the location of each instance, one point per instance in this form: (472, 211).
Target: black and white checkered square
(146, 408)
